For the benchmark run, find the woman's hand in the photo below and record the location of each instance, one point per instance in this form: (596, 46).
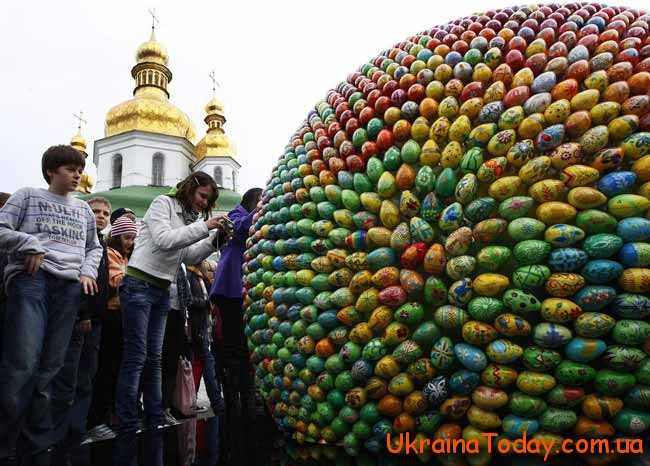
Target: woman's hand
(33, 263)
(220, 222)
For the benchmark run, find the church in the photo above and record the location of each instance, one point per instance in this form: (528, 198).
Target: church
(149, 144)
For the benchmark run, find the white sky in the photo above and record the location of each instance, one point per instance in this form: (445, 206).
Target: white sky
(274, 61)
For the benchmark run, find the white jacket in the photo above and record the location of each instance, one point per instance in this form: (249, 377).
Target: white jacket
(164, 241)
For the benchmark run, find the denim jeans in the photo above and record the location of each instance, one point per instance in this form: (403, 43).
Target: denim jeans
(144, 314)
(39, 318)
(210, 377)
(72, 388)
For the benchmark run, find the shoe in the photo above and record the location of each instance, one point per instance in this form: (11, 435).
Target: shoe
(170, 420)
(201, 409)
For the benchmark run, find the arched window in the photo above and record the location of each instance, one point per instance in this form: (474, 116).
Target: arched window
(234, 181)
(117, 171)
(218, 176)
(158, 170)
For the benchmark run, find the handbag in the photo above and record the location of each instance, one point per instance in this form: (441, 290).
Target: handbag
(185, 391)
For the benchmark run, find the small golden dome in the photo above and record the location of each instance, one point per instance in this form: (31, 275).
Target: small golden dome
(79, 143)
(152, 51)
(214, 107)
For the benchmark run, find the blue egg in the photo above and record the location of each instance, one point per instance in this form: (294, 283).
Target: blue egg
(634, 229)
(544, 82)
(470, 356)
(550, 137)
(515, 426)
(463, 382)
(631, 306)
(584, 350)
(567, 259)
(616, 183)
(601, 271)
(491, 112)
(594, 297)
(635, 254)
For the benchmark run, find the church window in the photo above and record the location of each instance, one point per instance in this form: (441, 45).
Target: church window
(117, 171)
(158, 170)
(218, 176)
(234, 181)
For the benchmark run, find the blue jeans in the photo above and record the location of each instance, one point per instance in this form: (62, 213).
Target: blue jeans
(209, 371)
(72, 388)
(144, 314)
(39, 316)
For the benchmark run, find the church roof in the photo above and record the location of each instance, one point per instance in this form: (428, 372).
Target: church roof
(139, 198)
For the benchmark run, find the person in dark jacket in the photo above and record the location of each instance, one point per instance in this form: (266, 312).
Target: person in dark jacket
(226, 294)
(72, 387)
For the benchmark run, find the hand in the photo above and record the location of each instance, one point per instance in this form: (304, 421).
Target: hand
(84, 326)
(89, 285)
(33, 263)
(217, 222)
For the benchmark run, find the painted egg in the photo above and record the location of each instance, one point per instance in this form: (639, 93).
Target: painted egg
(381, 257)
(450, 317)
(550, 137)
(407, 352)
(378, 237)
(596, 221)
(488, 230)
(631, 332)
(634, 229)
(442, 354)
(389, 214)
(594, 139)
(409, 205)
(409, 313)
(460, 267)
(482, 419)
(463, 382)
(470, 356)
(505, 187)
(515, 426)
(602, 271)
(598, 407)
(567, 259)
(607, 159)
(594, 324)
(628, 205)
(579, 175)
(573, 373)
(525, 228)
(521, 152)
(549, 335)
(528, 406)
(541, 359)
(435, 259)
(566, 154)
(632, 422)
(586, 198)
(503, 351)
(635, 280)
(631, 306)
(584, 350)
(560, 310)
(602, 246)
(623, 358)
(548, 190)
(535, 383)
(431, 207)
(515, 207)
(489, 398)
(400, 237)
(638, 398)
(480, 209)
(636, 145)
(490, 284)
(532, 251)
(466, 189)
(451, 217)
(498, 376)
(512, 325)
(492, 169)
(635, 254)
(530, 276)
(420, 230)
(460, 292)
(609, 382)
(561, 235)
(435, 292)
(493, 258)
(543, 82)
(565, 397)
(617, 183)
(558, 420)
(535, 170)
(485, 309)
(594, 297)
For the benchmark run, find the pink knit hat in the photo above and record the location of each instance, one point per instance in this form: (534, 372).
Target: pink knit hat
(124, 226)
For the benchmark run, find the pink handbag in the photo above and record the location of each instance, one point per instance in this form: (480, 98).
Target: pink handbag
(185, 391)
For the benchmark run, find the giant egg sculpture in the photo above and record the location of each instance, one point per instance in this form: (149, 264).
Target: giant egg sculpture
(456, 240)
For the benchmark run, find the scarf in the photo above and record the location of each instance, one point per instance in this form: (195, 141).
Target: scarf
(189, 216)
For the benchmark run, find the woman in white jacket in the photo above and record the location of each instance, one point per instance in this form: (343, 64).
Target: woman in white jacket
(171, 233)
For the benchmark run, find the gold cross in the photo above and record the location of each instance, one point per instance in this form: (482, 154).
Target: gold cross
(215, 83)
(80, 120)
(154, 19)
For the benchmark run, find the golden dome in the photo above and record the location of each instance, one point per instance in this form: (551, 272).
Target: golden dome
(215, 143)
(150, 109)
(152, 51)
(79, 143)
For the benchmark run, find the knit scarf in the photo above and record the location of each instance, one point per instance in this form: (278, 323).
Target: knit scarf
(189, 216)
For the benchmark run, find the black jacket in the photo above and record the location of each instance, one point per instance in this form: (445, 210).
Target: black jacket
(93, 307)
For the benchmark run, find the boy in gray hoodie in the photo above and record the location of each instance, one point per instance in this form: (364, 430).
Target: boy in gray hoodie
(53, 255)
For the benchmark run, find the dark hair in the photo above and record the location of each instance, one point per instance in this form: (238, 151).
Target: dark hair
(115, 243)
(251, 198)
(185, 191)
(58, 156)
(4, 197)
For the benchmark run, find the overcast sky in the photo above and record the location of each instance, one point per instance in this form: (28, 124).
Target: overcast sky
(274, 61)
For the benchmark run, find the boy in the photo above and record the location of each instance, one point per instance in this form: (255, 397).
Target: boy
(72, 387)
(51, 240)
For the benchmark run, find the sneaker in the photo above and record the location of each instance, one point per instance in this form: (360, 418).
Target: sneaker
(170, 420)
(201, 409)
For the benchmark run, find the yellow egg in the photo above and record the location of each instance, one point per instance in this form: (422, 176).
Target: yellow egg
(579, 175)
(548, 190)
(505, 187)
(585, 100)
(556, 212)
(642, 168)
(586, 198)
(490, 284)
